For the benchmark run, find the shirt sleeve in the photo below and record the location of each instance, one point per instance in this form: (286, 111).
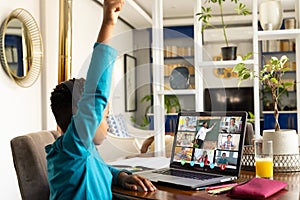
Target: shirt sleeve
(209, 129)
(85, 122)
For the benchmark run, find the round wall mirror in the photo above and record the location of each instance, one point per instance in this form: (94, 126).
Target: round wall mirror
(21, 50)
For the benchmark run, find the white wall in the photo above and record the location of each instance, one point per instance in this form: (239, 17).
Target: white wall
(25, 110)
(20, 108)
(85, 31)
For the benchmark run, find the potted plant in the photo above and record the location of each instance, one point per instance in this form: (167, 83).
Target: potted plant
(228, 52)
(171, 105)
(271, 76)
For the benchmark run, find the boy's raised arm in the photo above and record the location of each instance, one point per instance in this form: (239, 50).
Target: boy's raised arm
(111, 11)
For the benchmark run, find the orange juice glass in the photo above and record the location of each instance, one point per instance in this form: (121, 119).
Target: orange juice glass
(264, 159)
(264, 167)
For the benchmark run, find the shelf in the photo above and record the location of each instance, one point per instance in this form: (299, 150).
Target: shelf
(177, 92)
(168, 114)
(278, 34)
(278, 52)
(226, 63)
(191, 76)
(179, 58)
(282, 111)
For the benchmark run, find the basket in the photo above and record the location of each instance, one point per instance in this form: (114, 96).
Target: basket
(281, 163)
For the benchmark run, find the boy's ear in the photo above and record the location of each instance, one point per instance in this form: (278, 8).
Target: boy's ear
(59, 129)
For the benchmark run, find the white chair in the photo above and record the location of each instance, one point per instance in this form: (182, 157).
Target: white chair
(139, 134)
(115, 147)
(122, 139)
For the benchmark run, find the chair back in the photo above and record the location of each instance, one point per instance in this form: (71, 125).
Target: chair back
(29, 159)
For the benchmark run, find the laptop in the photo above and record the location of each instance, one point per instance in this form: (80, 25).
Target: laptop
(215, 159)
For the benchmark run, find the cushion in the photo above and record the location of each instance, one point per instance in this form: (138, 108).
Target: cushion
(117, 125)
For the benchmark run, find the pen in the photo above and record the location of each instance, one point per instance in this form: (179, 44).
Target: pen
(201, 188)
(220, 186)
(220, 190)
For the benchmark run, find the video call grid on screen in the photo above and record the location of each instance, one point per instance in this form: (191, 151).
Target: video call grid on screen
(227, 129)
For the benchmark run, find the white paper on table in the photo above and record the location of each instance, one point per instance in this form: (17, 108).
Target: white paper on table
(149, 162)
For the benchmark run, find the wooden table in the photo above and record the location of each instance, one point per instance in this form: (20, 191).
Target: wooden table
(292, 192)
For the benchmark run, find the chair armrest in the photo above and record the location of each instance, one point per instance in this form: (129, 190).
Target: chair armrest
(139, 133)
(114, 147)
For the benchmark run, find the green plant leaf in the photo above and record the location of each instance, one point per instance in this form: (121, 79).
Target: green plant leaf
(251, 115)
(274, 80)
(247, 56)
(245, 76)
(239, 67)
(285, 69)
(287, 84)
(146, 98)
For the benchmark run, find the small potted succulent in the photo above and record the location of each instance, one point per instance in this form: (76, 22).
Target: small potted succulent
(228, 52)
(271, 76)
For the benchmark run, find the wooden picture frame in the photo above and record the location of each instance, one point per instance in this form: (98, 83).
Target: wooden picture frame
(130, 83)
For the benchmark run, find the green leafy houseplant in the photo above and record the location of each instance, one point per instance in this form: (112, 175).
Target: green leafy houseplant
(271, 76)
(171, 104)
(171, 101)
(205, 14)
(228, 52)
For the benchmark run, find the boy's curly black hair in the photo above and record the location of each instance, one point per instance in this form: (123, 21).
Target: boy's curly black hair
(64, 99)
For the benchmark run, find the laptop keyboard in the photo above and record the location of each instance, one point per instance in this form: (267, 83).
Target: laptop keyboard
(186, 174)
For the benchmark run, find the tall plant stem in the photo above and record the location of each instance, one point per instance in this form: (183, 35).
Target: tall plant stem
(276, 113)
(223, 24)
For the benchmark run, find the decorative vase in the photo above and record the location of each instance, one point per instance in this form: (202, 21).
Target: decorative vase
(284, 141)
(270, 14)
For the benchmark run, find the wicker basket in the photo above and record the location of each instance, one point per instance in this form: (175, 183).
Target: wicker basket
(282, 163)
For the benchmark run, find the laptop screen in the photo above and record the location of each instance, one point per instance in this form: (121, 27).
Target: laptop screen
(209, 142)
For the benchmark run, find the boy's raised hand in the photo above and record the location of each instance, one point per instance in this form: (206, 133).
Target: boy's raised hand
(111, 11)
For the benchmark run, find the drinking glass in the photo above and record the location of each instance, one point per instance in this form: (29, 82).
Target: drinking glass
(264, 158)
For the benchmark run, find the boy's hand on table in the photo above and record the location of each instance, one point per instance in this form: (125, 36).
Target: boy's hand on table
(135, 182)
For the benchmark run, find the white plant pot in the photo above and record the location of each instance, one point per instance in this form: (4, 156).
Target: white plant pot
(284, 141)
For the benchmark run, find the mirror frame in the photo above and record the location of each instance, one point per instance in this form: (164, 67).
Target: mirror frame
(35, 47)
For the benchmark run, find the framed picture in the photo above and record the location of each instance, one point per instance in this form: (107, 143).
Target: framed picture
(130, 83)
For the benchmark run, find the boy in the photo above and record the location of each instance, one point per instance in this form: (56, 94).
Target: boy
(75, 168)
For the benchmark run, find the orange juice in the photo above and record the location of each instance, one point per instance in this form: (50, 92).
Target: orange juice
(264, 167)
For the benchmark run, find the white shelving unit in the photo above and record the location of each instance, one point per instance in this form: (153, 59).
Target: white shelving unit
(286, 34)
(200, 65)
(226, 63)
(178, 92)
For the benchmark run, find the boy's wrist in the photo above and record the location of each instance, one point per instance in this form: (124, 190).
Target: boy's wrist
(106, 33)
(121, 178)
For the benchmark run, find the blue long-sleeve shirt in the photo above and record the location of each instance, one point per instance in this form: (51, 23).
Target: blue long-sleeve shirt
(75, 168)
